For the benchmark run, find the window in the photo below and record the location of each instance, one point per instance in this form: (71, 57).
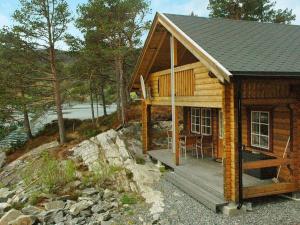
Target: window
(206, 121)
(195, 120)
(260, 129)
(221, 124)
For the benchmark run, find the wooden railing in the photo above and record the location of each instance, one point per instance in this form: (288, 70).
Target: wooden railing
(184, 84)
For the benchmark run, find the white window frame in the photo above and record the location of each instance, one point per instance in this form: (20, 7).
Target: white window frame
(203, 118)
(193, 120)
(259, 133)
(221, 124)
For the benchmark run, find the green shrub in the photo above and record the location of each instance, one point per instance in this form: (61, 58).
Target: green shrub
(34, 198)
(140, 160)
(128, 199)
(49, 174)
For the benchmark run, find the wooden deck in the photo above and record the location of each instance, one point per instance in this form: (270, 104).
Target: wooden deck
(200, 178)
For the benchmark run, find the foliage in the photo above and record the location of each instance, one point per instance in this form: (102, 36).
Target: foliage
(140, 160)
(129, 199)
(49, 174)
(114, 28)
(42, 24)
(255, 10)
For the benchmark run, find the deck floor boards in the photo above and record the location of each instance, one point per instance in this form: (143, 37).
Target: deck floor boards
(201, 170)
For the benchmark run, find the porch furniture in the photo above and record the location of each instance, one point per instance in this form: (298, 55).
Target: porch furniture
(187, 143)
(182, 146)
(205, 142)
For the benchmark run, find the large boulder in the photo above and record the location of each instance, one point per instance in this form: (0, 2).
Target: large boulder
(2, 159)
(10, 216)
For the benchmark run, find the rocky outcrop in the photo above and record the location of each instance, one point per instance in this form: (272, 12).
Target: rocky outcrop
(10, 216)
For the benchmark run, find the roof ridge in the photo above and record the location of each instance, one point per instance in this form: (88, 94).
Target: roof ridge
(232, 20)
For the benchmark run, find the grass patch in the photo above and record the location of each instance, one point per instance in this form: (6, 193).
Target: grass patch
(49, 174)
(162, 169)
(129, 199)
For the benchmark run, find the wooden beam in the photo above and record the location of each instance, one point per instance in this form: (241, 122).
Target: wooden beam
(219, 70)
(177, 151)
(155, 54)
(175, 43)
(231, 172)
(268, 189)
(269, 101)
(146, 126)
(266, 163)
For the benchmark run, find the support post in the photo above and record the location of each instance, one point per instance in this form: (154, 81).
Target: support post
(173, 96)
(177, 150)
(296, 143)
(231, 171)
(146, 126)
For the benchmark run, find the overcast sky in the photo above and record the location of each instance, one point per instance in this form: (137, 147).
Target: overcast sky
(7, 7)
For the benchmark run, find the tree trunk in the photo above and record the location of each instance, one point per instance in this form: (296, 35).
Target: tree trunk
(26, 123)
(118, 88)
(97, 102)
(103, 100)
(57, 96)
(122, 93)
(56, 82)
(92, 101)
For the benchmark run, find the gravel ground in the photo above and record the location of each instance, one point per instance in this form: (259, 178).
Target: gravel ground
(183, 210)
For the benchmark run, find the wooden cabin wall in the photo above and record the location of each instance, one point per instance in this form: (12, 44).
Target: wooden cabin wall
(194, 87)
(278, 96)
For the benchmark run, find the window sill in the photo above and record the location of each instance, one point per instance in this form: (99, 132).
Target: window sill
(259, 151)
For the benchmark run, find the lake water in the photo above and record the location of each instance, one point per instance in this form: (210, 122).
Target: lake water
(80, 111)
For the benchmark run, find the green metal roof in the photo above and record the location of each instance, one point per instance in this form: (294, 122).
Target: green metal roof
(245, 47)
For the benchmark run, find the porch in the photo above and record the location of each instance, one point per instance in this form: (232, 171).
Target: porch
(200, 178)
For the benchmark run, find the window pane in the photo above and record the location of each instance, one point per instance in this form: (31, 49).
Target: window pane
(264, 117)
(264, 129)
(255, 117)
(264, 141)
(255, 128)
(255, 140)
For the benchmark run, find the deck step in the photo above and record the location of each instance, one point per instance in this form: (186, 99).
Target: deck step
(201, 182)
(210, 200)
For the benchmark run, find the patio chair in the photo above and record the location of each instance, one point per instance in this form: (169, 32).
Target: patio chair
(182, 146)
(205, 142)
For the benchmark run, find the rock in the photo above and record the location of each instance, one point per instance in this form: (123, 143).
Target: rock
(58, 217)
(104, 216)
(5, 194)
(107, 194)
(4, 207)
(69, 203)
(23, 220)
(98, 208)
(54, 205)
(31, 210)
(85, 213)
(89, 191)
(10, 216)
(80, 206)
(2, 159)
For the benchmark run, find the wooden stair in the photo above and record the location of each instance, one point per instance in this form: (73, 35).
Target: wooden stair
(198, 190)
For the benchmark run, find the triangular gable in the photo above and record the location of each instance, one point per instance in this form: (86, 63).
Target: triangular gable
(149, 53)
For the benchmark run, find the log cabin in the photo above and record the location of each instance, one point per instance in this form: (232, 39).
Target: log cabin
(235, 84)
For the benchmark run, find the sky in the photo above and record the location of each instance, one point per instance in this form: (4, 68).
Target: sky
(199, 7)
